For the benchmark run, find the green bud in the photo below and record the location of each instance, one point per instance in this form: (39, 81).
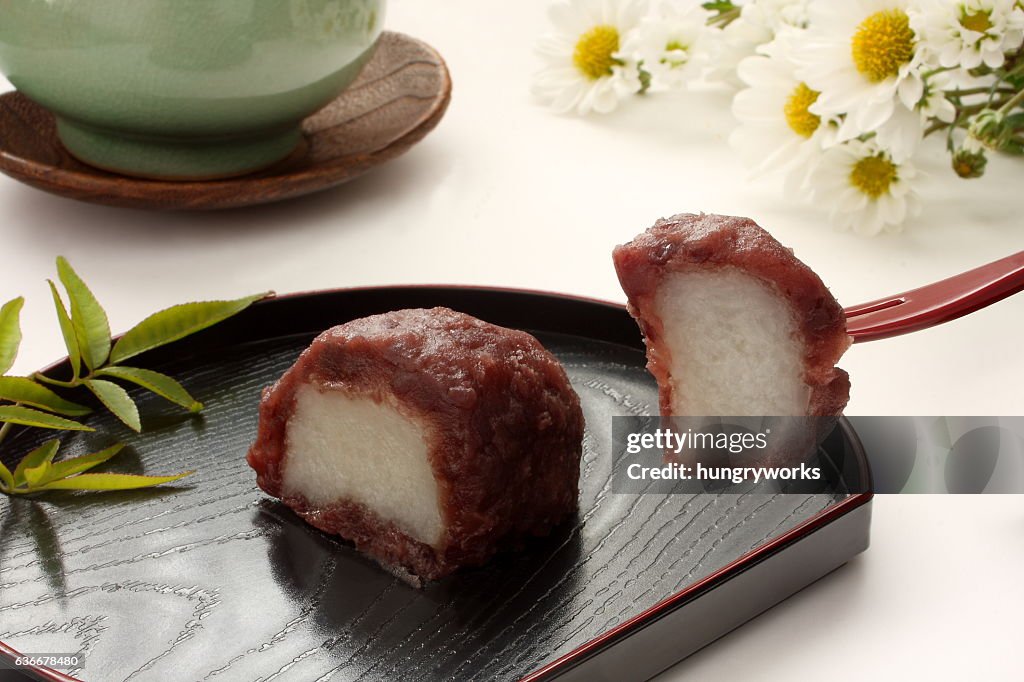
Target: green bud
(994, 130)
(969, 164)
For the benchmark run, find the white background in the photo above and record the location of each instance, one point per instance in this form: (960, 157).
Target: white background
(506, 193)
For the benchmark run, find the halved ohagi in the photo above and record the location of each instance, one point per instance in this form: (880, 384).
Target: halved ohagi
(429, 438)
(734, 324)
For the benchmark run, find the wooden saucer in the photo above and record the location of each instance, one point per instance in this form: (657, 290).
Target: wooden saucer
(399, 97)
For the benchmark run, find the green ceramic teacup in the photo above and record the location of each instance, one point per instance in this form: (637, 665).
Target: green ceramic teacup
(184, 89)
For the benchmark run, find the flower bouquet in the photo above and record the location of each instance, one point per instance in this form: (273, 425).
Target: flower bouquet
(835, 97)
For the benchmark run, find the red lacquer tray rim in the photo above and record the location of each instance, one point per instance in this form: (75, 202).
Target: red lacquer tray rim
(627, 627)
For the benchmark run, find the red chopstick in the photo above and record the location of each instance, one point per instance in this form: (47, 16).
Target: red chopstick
(936, 303)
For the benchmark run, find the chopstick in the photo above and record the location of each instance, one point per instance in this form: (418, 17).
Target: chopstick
(936, 303)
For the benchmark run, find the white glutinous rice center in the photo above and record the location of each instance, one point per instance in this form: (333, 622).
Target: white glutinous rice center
(734, 345)
(341, 447)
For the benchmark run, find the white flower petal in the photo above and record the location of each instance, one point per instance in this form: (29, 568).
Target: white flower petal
(870, 117)
(555, 46)
(605, 101)
(911, 91)
(568, 99)
(994, 59)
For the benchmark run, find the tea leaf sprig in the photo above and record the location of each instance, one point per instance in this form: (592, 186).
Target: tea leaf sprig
(97, 367)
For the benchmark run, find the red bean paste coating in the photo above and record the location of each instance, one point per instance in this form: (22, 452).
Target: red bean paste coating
(504, 432)
(689, 242)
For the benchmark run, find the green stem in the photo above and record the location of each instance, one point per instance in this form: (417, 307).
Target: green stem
(982, 106)
(57, 382)
(725, 18)
(958, 122)
(942, 69)
(1012, 102)
(980, 91)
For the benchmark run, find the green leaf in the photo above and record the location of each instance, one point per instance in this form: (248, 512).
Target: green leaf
(6, 477)
(38, 457)
(161, 384)
(76, 465)
(175, 323)
(117, 400)
(15, 414)
(28, 392)
(35, 475)
(67, 329)
(110, 482)
(88, 317)
(10, 333)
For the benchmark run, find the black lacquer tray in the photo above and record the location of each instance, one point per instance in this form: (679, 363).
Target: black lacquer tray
(214, 581)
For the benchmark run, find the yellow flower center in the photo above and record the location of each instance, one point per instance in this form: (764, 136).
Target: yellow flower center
(797, 109)
(882, 44)
(874, 176)
(980, 21)
(594, 52)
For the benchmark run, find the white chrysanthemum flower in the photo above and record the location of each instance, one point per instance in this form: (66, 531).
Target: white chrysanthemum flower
(586, 68)
(969, 33)
(760, 21)
(671, 43)
(864, 59)
(865, 189)
(778, 132)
